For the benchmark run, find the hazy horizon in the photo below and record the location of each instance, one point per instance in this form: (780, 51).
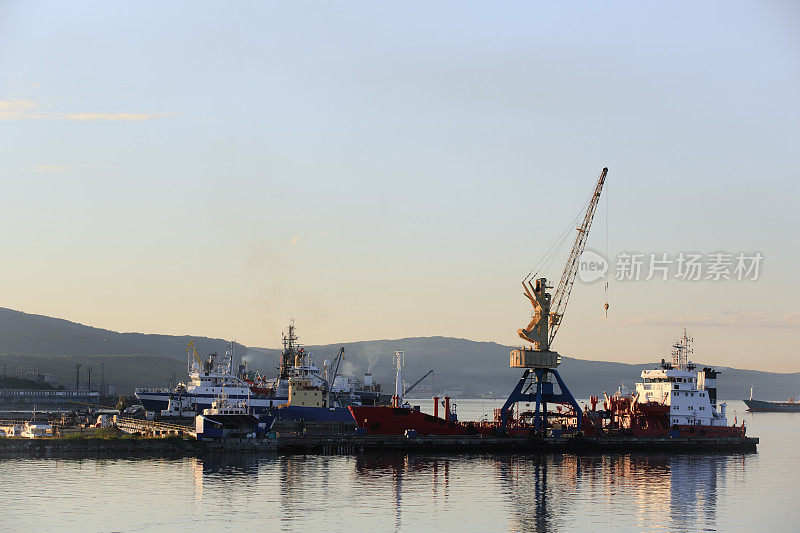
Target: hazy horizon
(386, 171)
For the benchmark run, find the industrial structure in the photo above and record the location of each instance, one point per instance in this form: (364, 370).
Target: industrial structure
(538, 360)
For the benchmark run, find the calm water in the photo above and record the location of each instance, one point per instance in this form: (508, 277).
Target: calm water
(414, 493)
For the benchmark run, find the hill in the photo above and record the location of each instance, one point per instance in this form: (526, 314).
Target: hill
(470, 368)
(462, 367)
(27, 334)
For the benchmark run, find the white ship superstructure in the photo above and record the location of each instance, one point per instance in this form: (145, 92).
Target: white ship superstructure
(691, 395)
(208, 380)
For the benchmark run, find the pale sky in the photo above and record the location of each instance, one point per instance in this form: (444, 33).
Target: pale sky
(379, 170)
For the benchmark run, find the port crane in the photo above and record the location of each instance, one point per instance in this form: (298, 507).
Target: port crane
(328, 383)
(548, 314)
(191, 351)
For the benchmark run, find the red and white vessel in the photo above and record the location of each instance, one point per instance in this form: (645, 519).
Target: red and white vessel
(675, 397)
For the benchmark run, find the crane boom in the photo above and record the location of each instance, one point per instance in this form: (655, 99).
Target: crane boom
(191, 351)
(418, 382)
(339, 358)
(559, 302)
(549, 311)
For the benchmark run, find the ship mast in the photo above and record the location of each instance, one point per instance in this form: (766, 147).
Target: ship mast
(399, 387)
(289, 352)
(681, 351)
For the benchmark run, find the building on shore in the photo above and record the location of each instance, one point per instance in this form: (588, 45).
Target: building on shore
(47, 398)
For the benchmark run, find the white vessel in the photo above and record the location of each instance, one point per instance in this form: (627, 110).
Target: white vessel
(222, 406)
(208, 380)
(675, 398)
(37, 429)
(217, 376)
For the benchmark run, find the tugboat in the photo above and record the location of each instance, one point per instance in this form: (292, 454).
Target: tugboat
(228, 420)
(792, 405)
(308, 389)
(297, 363)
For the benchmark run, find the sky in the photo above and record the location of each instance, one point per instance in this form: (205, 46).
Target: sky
(387, 170)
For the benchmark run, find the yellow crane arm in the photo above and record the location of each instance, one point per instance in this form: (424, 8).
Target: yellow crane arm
(192, 350)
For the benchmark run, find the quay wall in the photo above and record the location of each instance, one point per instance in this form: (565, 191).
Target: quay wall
(355, 444)
(11, 446)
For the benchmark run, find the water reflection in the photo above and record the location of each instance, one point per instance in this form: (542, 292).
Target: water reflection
(525, 481)
(228, 464)
(642, 492)
(424, 474)
(518, 493)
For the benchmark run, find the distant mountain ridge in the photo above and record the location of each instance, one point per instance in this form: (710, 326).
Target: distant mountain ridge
(29, 334)
(471, 368)
(461, 367)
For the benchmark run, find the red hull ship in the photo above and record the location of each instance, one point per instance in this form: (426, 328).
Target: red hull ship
(397, 420)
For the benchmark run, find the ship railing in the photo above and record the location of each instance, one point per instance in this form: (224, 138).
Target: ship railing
(137, 425)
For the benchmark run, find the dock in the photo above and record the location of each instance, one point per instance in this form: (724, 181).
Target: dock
(332, 438)
(490, 444)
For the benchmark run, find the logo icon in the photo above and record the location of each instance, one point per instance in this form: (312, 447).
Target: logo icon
(592, 266)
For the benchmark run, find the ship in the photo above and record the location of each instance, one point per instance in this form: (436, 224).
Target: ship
(301, 389)
(316, 394)
(401, 418)
(208, 380)
(791, 405)
(227, 420)
(674, 398)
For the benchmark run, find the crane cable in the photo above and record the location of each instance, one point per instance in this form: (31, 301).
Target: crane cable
(549, 256)
(607, 258)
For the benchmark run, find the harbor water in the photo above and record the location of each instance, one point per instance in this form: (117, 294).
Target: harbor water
(417, 492)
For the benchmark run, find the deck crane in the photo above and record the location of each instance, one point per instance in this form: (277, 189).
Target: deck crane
(548, 314)
(329, 383)
(413, 385)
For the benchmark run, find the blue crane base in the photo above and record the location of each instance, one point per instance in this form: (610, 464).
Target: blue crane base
(541, 397)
